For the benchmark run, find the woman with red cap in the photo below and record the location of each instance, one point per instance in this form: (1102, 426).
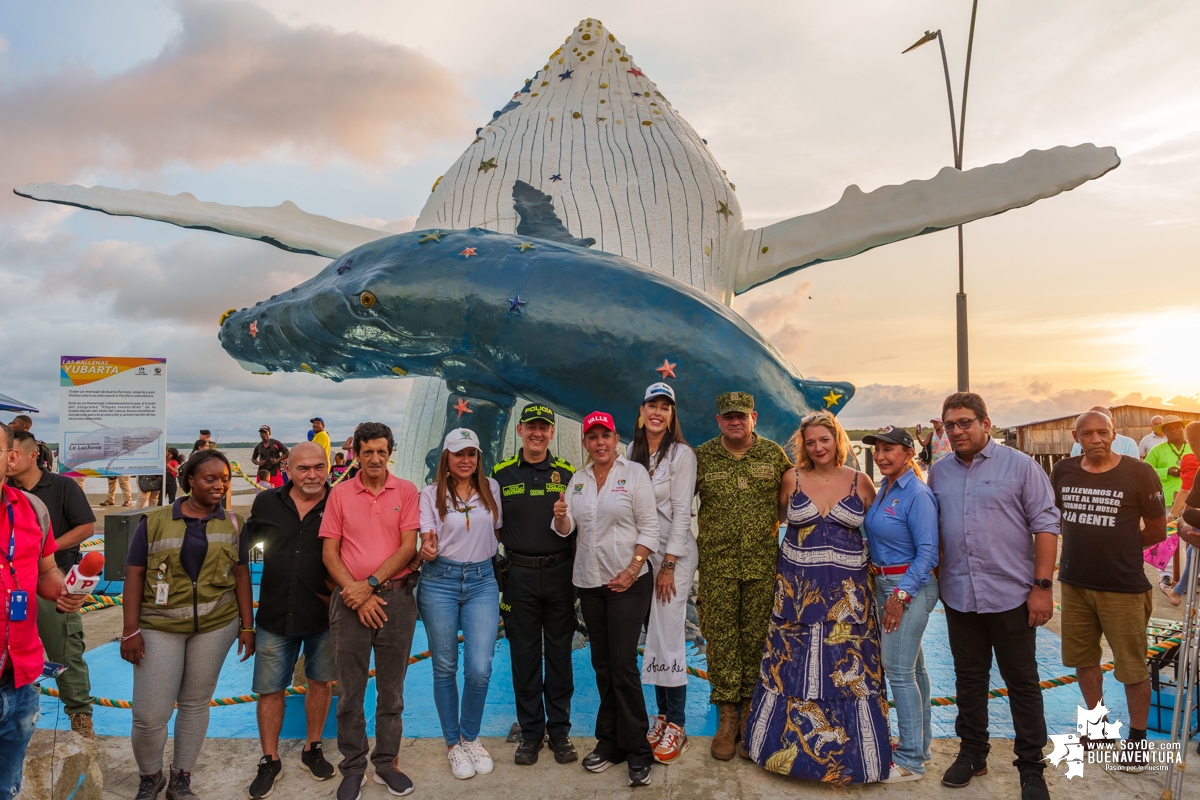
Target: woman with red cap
(611, 503)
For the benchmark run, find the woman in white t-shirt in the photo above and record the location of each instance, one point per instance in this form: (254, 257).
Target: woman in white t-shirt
(659, 446)
(460, 521)
(611, 503)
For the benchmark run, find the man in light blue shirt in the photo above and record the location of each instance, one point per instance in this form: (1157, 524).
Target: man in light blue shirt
(1122, 445)
(998, 526)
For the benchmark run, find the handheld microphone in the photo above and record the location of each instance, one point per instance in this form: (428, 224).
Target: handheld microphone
(85, 576)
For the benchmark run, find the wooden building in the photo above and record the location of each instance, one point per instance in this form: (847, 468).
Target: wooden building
(1050, 440)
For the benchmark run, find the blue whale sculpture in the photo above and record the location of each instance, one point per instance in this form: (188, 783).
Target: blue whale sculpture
(499, 316)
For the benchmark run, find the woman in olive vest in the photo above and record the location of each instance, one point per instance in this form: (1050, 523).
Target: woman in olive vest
(187, 597)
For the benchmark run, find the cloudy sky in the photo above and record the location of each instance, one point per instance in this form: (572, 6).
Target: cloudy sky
(353, 109)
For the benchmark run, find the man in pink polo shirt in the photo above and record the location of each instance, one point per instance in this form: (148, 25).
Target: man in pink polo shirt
(370, 532)
(26, 562)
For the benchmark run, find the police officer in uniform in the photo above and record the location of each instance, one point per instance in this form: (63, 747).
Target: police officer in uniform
(538, 593)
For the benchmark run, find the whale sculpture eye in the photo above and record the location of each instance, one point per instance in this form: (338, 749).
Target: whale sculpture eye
(367, 299)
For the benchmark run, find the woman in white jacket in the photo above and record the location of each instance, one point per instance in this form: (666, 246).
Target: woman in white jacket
(659, 446)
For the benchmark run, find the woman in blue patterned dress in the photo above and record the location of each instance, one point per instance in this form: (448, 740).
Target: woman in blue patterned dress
(820, 708)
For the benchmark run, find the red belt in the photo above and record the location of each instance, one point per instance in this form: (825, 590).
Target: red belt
(896, 570)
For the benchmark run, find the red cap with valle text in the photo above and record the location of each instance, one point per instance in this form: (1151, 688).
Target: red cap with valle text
(599, 418)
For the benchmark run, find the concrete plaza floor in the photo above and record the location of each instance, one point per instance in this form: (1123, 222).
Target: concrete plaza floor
(228, 765)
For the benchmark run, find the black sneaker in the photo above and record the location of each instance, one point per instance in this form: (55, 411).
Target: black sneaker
(263, 784)
(151, 786)
(314, 761)
(527, 752)
(594, 762)
(397, 782)
(1033, 786)
(962, 770)
(639, 776)
(180, 786)
(351, 787)
(564, 751)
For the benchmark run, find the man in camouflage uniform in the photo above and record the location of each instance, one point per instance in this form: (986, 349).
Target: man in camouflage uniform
(738, 478)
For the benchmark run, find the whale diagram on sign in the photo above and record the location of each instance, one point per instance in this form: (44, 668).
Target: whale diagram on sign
(584, 245)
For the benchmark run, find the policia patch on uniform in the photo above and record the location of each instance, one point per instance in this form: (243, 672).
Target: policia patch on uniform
(516, 488)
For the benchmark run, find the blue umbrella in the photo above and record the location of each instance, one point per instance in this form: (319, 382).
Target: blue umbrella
(9, 404)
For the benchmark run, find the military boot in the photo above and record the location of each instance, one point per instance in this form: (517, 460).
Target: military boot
(724, 743)
(744, 729)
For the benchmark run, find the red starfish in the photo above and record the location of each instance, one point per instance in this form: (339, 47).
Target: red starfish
(470, 251)
(667, 369)
(461, 406)
(636, 72)
(254, 329)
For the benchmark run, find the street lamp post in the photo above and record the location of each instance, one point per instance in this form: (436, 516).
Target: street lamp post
(957, 134)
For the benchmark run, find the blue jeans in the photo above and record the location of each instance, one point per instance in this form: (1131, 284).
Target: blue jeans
(672, 703)
(18, 715)
(904, 665)
(453, 596)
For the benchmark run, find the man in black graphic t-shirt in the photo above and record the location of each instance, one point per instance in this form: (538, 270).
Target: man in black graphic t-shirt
(1105, 498)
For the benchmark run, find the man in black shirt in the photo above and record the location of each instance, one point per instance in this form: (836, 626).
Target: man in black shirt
(538, 591)
(1112, 508)
(72, 521)
(293, 611)
(269, 454)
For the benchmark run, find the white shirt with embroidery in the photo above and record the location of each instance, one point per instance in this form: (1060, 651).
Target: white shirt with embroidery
(611, 520)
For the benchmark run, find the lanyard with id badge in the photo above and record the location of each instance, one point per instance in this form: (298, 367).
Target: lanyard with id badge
(18, 598)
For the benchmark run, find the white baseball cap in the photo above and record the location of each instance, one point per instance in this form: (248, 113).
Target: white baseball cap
(659, 390)
(460, 439)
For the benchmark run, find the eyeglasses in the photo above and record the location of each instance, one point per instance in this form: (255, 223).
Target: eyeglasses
(964, 425)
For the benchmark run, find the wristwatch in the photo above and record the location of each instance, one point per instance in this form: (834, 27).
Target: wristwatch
(1043, 583)
(373, 582)
(902, 596)
(638, 559)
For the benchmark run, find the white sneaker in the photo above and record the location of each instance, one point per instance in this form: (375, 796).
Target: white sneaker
(479, 757)
(460, 763)
(899, 774)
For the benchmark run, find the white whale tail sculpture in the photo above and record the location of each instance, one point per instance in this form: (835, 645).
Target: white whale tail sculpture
(591, 130)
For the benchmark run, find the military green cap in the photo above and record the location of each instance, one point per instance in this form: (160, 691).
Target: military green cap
(735, 401)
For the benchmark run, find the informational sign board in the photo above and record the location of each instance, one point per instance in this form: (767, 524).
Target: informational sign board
(112, 415)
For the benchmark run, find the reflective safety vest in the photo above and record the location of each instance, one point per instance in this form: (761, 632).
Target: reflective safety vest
(199, 606)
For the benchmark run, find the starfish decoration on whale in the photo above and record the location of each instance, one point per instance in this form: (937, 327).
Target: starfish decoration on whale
(467, 253)
(484, 166)
(667, 370)
(432, 236)
(515, 304)
(523, 246)
(637, 73)
(563, 76)
(556, 176)
(254, 329)
(831, 399)
(461, 407)
(723, 209)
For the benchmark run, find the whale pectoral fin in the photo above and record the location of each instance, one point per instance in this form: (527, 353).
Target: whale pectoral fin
(482, 411)
(286, 226)
(538, 220)
(861, 221)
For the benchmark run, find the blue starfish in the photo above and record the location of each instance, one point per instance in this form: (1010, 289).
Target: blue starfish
(556, 177)
(342, 269)
(515, 304)
(563, 76)
(637, 94)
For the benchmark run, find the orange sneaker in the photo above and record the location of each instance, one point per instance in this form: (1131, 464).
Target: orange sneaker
(657, 726)
(673, 744)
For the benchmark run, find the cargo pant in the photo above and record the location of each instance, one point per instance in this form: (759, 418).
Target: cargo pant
(62, 637)
(734, 616)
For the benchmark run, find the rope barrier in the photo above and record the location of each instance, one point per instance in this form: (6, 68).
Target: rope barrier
(105, 601)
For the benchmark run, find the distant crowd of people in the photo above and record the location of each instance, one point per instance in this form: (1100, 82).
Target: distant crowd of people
(806, 635)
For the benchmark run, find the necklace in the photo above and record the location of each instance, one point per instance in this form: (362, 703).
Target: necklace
(462, 506)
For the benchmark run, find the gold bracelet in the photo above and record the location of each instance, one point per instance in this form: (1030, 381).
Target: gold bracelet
(632, 572)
